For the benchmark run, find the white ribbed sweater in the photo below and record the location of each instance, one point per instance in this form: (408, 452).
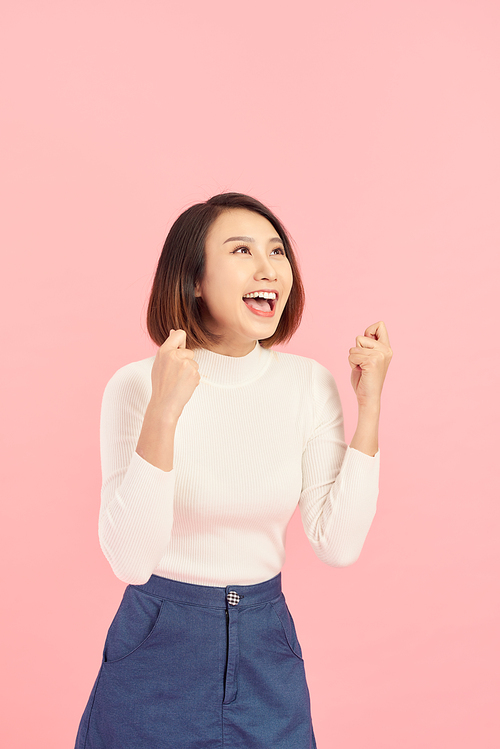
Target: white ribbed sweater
(260, 434)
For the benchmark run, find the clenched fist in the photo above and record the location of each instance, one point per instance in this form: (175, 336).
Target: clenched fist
(370, 360)
(174, 375)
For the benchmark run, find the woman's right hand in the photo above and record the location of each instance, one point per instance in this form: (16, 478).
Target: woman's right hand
(174, 375)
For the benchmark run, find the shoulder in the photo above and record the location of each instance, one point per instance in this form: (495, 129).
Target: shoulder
(312, 380)
(131, 381)
(302, 365)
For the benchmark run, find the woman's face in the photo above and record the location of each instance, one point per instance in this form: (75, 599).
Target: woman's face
(243, 254)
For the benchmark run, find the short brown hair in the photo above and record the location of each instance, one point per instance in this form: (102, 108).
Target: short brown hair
(172, 302)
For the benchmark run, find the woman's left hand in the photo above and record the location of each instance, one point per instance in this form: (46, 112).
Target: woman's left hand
(370, 360)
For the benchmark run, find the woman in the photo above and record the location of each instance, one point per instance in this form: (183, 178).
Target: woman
(206, 450)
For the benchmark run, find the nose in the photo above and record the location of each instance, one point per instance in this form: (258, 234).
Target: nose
(265, 269)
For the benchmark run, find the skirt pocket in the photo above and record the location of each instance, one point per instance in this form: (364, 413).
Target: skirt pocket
(287, 625)
(134, 623)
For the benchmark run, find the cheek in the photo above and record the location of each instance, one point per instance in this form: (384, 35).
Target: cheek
(220, 306)
(288, 274)
(290, 281)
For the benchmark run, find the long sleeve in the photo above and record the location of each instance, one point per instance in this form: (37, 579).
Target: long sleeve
(136, 514)
(340, 484)
(261, 433)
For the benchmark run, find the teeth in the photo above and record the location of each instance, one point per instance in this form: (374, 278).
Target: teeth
(263, 294)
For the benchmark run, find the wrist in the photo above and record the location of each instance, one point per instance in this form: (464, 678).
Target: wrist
(369, 408)
(164, 415)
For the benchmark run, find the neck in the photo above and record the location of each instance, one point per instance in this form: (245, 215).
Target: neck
(224, 370)
(233, 348)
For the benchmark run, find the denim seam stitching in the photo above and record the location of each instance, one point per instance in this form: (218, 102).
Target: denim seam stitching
(285, 633)
(116, 660)
(91, 708)
(206, 605)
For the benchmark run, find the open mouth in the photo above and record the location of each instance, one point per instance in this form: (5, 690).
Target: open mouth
(260, 304)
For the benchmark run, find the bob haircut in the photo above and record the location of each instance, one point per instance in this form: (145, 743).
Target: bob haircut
(172, 302)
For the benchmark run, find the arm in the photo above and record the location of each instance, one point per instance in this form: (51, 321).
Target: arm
(366, 435)
(156, 440)
(339, 482)
(369, 361)
(140, 410)
(136, 514)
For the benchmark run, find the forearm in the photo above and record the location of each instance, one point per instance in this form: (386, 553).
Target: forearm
(137, 515)
(156, 440)
(365, 437)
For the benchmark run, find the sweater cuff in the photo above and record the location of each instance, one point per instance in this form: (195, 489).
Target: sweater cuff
(146, 465)
(359, 452)
(144, 481)
(360, 464)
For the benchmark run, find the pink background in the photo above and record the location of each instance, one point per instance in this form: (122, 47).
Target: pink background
(372, 129)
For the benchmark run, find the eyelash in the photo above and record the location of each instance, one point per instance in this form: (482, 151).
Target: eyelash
(243, 247)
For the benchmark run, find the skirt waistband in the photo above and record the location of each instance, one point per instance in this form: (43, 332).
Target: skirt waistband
(208, 595)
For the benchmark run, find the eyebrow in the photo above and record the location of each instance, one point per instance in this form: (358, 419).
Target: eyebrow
(250, 239)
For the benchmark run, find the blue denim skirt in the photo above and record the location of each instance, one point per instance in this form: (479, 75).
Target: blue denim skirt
(200, 667)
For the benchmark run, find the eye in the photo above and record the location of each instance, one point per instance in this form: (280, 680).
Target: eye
(239, 248)
(280, 250)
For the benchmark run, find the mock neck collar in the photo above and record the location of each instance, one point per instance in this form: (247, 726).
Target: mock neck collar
(232, 371)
